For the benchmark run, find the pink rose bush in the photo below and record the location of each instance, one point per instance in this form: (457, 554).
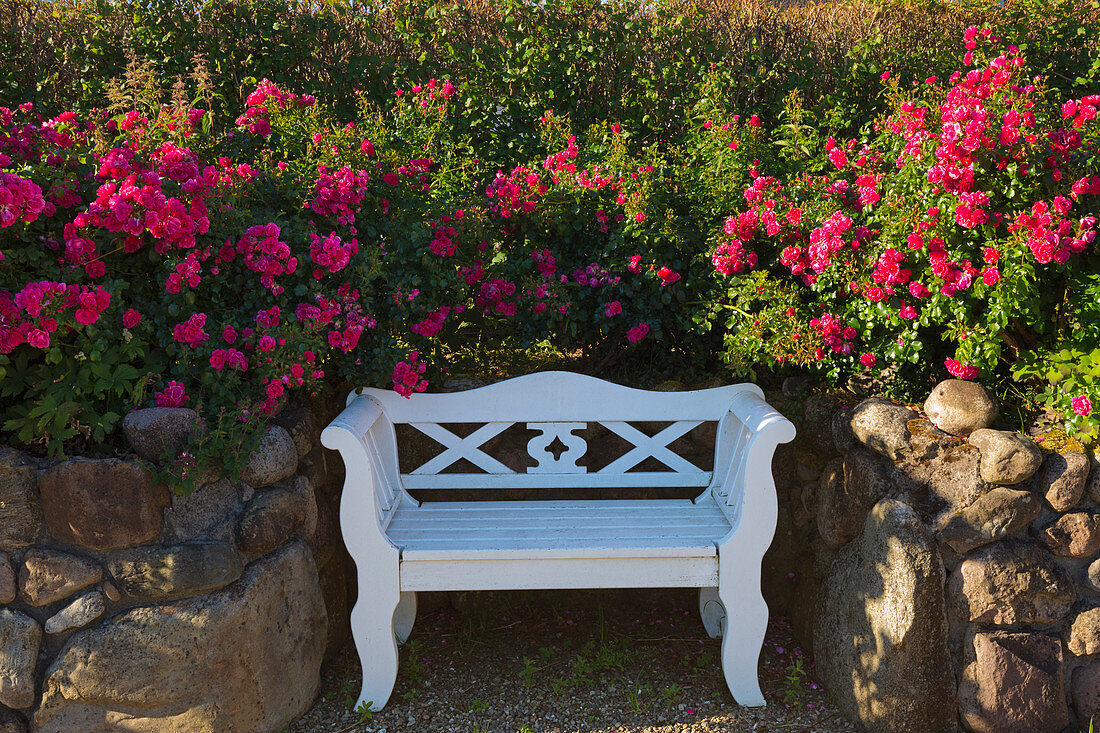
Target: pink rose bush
(944, 238)
(156, 259)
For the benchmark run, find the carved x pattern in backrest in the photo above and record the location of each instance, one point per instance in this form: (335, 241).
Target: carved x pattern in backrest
(650, 446)
(459, 448)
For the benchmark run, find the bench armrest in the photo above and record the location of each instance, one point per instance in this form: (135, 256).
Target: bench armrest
(366, 444)
(750, 486)
(356, 419)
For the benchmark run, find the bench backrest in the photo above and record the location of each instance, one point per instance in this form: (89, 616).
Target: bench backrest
(554, 406)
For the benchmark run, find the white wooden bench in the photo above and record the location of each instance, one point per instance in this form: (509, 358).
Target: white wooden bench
(714, 542)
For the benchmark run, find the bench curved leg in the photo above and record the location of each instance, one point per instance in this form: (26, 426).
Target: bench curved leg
(743, 635)
(712, 611)
(404, 616)
(373, 628)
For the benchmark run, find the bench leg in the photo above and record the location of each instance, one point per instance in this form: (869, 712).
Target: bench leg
(404, 616)
(743, 636)
(712, 611)
(372, 627)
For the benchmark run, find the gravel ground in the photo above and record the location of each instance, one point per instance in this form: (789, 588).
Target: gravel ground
(583, 661)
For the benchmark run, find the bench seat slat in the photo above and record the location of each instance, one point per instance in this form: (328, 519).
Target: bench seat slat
(533, 529)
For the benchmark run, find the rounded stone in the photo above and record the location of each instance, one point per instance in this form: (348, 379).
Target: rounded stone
(48, 576)
(1011, 582)
(156, 433)
(1007, 457)
(1085, 691)
(996, 514)
(882, 426)
(102, 504)
(79, 613)
(20, 640)
(1083, 635)
(10, 723)
(300, 422)
(273, 516)
(273, 460)
(175, 571)
(1094, 575)
(205, 513)
(1073, 535)
(880, 635)
(1061, 479)
(847, 489)
(1013, 682)
(959, 407)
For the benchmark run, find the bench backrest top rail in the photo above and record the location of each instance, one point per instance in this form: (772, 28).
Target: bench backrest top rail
(557, 397)
(555, 404)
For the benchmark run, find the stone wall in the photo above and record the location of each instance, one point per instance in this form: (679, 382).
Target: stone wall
(125, 606)
(945, 575)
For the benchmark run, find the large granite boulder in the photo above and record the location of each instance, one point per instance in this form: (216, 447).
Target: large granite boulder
(20, 639)
(20, 510)
(252, 664)
(1011, 582)
(160, 432)
(847, 489)
(102, 504)
(1013, 682)
(175, 571)
(880, 635)
(960, 407)
(999, 513)
(1007, 457)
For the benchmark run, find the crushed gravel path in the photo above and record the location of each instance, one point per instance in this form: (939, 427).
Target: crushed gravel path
(571, 661)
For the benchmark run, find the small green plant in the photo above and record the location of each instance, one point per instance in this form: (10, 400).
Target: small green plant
(411, 695)
(547, 653)
(636, 697)
(477, 705)
(365, 712)
(702, 662)
(348, 692)
(672, 694)
(412, 666)
(795, 675)
(528, 672)
(558, 685)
